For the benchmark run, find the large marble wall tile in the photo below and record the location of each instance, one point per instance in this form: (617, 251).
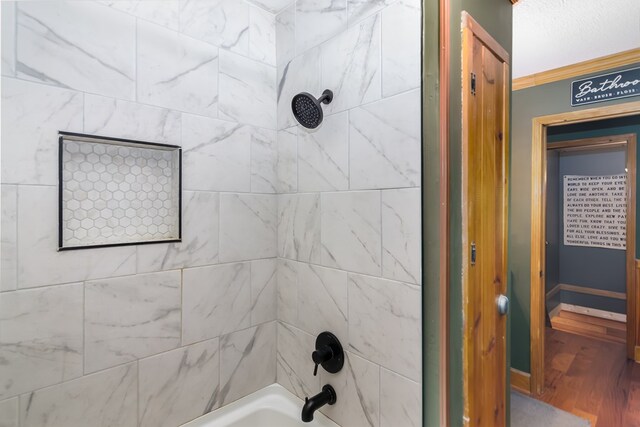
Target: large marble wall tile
(248, 226)
(264, 161)
(298, 75)
(360, 9)
(8, 237)
(32, 115)
(285, 35)
(179, 385)
(400, 401)
(199, 245)
(9, 413)
(161, 12)
(38, 261)
(351, 236)
(287, 291)
(79, 45)
(294, 364)
(216, 154)
(322, 301)
(215, 300)
(123, 119)
(385, 143)
(130, 317)
(323, 155)
(106, 398)
(262, 36)
(224, 23)
(8, 37)
(247, 361)
(287, 161)
(299, 227)
(401, 30)
(401, 237)
(385, 323)
(40, 338)
(273, 6)
(264, 288)
(351, 66)
(357, 386)
(318, 20)
(176, 72)
(247, 91)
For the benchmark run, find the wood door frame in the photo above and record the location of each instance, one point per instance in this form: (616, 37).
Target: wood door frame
(538, 204)
(470, 29)
(444, 57)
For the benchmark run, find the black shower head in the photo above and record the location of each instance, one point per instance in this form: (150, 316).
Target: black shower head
(307, 109)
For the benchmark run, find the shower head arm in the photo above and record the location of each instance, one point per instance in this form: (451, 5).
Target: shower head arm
(327, 97)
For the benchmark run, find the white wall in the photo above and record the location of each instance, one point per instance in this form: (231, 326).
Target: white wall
(151, 335)
(349, 208)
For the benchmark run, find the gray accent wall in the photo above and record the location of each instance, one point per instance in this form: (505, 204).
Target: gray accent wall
(553, 230)
(597, 268)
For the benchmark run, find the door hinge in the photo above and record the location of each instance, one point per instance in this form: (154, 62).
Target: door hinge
(473, 84)
(473, 253)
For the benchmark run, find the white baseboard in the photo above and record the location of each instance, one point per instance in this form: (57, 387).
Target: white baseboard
(585, 290)
(591, 312)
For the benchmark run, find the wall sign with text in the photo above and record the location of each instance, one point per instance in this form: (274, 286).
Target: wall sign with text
(595, 211)
(606, 87)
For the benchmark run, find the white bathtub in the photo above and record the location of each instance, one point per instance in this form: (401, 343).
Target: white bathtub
(272, 406)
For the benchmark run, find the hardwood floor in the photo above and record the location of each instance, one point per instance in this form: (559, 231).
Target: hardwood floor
(591, 378)
(590, 326)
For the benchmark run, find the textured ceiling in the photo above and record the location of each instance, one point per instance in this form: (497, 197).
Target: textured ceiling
(549, 34)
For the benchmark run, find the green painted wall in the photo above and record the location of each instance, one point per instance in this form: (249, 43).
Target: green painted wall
(495, 17)
(430, 213)
(552, 98)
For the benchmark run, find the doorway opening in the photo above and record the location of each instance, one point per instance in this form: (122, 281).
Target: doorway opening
(584, 320)
(589, 257)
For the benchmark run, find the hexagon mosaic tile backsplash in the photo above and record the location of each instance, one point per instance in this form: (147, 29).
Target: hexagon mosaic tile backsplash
(116, 192)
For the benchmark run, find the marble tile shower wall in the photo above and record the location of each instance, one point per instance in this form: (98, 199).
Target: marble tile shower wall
(151, 335)
(159, 334)
(349, 206)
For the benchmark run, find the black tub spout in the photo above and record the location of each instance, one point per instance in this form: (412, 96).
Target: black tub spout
(312, 404)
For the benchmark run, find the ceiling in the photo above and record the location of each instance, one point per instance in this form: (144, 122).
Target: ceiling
(549, 34)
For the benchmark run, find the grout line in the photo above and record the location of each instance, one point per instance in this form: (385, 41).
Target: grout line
(379, 391)
(349, 149)
(138, 392)
(199, 115)
(381, 235)
(349, 272)
(133, 101)
(135, 62)
(93, 279)
(84, 328)
(251, 266)
(181, 307)
(16, 263)
(380, 56)
(15, 38)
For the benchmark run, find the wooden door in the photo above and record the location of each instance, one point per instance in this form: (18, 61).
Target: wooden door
(485, 96)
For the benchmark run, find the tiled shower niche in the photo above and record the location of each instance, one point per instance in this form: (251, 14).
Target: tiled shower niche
(117, 192)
